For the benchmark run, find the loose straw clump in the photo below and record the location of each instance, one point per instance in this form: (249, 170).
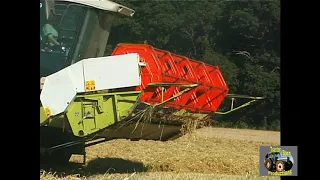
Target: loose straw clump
(165, 116)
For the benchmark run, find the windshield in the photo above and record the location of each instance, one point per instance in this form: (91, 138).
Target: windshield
(58, 36)
(71, 33)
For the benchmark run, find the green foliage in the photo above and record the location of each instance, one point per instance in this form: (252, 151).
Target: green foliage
(229, 69)
(241, 37)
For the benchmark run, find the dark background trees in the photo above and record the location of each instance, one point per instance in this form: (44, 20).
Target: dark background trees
(241, 37)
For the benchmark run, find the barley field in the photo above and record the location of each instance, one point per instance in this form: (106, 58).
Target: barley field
(208, 153)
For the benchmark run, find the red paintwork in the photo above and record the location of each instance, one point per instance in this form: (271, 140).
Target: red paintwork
(165, 67)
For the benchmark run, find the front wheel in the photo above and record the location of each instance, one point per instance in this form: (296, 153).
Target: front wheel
(50, 137)
(59, 157)
(268, 164)
(280, 166)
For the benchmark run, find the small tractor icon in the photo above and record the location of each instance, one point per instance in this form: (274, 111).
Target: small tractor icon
(275, 162)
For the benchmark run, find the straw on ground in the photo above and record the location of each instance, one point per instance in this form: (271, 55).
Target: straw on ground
(209, 153)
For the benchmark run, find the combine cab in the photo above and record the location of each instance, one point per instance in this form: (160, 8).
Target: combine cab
(139, 92)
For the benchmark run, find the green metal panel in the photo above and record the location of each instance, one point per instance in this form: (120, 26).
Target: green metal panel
(88, 114)
(43, 116)
(59, 121)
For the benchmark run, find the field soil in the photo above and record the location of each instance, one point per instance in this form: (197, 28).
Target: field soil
(208, 153)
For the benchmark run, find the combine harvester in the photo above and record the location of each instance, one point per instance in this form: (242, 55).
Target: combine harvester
(139, 92)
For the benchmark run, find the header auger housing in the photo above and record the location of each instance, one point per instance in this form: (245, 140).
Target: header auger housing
(139, 92)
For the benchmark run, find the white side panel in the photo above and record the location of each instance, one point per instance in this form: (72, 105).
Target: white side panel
(57, 92)
(113, 72)
(76, 76)
(106, 5)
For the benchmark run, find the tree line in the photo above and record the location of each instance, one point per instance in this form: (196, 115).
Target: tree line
(241, 37)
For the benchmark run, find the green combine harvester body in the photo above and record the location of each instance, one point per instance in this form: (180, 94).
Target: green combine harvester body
(139, 92)
(100, 111)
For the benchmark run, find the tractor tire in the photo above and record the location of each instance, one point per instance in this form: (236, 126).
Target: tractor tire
(268, 164)
(50, 137)
(288, 166)
(280, 166)
(56, 158)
